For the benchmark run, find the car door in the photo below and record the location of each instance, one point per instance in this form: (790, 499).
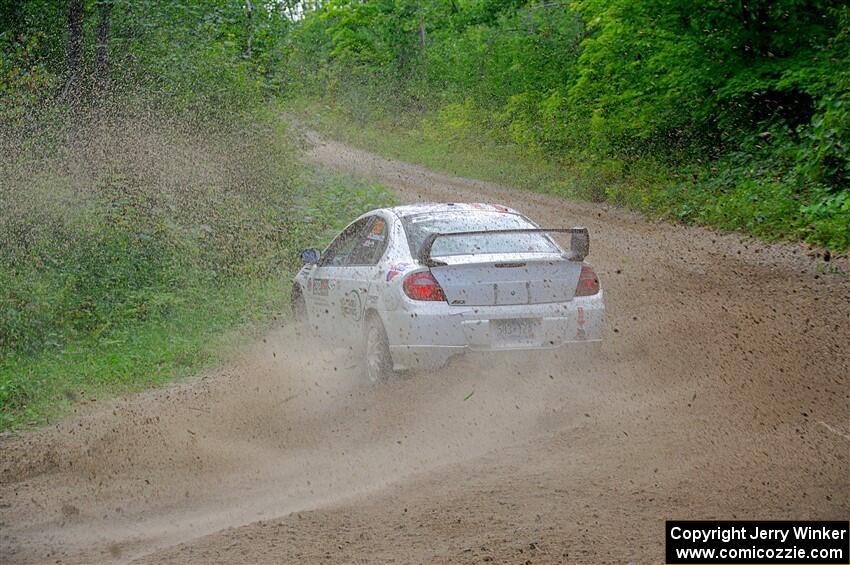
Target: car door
(357, 279)
(323, 294)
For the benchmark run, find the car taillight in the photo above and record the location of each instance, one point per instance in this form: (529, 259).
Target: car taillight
(588, 284)
(423, 286)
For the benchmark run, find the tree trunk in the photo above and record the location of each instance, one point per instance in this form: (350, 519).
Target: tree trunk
(76, 13)
(102, 49)
(249, 8)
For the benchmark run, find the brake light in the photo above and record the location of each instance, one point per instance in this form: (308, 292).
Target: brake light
(588, 283)
(423, 286)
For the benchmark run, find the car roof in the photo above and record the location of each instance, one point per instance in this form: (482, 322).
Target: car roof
(437, 207)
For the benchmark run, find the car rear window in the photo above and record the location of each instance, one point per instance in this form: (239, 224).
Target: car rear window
(420, 226)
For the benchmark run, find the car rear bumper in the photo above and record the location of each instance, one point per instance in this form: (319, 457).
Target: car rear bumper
(427, 335)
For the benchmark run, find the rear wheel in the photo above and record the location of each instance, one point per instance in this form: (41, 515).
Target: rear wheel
(378, 363)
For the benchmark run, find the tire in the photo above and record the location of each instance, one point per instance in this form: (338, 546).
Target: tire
(299, 311)
(377, 360)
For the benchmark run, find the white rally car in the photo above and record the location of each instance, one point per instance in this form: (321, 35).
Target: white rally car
(411, 286)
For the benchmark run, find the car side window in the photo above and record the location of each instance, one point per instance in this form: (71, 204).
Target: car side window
(338, 252)
(370, 248)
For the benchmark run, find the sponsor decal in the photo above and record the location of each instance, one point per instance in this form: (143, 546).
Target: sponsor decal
(397, 269)
(320, 286)
(377, 231)
(488, 207)
(352, 306)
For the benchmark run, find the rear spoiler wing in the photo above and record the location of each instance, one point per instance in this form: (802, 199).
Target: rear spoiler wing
(579, 242)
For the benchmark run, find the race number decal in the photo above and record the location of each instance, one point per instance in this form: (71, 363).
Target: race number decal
(352, 306)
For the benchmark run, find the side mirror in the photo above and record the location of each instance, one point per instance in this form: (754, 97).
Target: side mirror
(311, 256)
(579, 244)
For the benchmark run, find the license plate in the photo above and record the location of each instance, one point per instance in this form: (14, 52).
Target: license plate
(516, 331)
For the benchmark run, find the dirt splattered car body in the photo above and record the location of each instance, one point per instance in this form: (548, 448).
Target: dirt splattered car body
(434, 280)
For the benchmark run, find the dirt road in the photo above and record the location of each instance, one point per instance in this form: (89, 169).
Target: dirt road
(722, 392)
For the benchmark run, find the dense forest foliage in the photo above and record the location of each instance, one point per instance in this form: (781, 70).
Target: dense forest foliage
(205, 55)
(730, 113)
